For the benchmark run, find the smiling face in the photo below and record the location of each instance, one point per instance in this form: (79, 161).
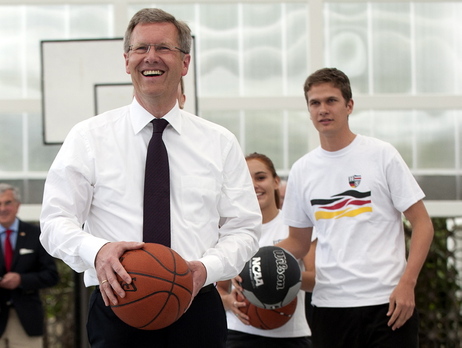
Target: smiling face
(329, 111)
(9, 207)
(264, 183)
(157, 73)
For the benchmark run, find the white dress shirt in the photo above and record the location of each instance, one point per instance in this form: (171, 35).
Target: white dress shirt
(97, 180)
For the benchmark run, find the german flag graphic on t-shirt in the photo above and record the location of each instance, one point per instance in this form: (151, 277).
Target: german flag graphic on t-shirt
(347, 204)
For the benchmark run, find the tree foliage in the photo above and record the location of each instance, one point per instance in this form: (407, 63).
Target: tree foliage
(438, 290)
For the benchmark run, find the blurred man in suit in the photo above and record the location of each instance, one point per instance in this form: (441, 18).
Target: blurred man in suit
(25, 267)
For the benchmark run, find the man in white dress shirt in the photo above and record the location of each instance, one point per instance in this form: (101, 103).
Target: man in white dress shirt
(97, 181)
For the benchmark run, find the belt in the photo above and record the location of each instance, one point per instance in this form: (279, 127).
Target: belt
(206, 289)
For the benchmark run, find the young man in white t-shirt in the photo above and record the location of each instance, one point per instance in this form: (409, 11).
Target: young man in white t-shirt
(354, 190)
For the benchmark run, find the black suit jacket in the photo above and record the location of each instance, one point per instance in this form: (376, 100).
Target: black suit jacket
(38, 270)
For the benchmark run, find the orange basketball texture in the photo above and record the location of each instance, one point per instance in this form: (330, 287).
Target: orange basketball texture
(268, 319)
(160, 291)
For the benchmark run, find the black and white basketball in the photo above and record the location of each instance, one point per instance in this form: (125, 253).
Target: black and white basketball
(271, 278)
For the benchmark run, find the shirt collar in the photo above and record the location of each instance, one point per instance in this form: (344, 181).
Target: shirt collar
(14, 226)
(140, 117)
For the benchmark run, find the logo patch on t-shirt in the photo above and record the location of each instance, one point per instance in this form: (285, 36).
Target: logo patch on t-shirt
(354, 180)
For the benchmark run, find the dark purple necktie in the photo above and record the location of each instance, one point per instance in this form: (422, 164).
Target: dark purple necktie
(156, 209)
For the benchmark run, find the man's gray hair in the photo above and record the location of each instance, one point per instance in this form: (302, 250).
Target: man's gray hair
(156, 15)
(5, 187)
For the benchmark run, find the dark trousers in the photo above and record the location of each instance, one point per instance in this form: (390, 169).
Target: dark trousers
(237, 339)
(203, 325)
(361, 327)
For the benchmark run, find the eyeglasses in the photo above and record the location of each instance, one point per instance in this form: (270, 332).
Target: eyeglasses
(159, 48)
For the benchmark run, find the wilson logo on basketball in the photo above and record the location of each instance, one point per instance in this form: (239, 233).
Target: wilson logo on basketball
(256, 270)
(129, 287)
(281, 266)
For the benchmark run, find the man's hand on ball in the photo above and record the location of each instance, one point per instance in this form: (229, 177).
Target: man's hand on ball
(107, 267)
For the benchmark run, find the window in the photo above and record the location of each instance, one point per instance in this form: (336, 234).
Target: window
(252, 60)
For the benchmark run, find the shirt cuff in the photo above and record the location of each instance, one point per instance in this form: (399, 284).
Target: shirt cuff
(90, 248)
(214, 268)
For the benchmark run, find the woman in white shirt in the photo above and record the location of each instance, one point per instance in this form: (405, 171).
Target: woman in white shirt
(296, 332)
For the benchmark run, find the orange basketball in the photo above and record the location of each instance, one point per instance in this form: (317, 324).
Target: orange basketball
(268, 319)
(161, 287)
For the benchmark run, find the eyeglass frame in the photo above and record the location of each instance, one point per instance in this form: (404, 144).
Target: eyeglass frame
(170, 48)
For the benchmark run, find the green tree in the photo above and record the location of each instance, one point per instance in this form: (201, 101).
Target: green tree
(438, 291)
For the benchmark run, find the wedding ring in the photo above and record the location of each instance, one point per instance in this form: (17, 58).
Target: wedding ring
(235, 304)
(104, 281)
